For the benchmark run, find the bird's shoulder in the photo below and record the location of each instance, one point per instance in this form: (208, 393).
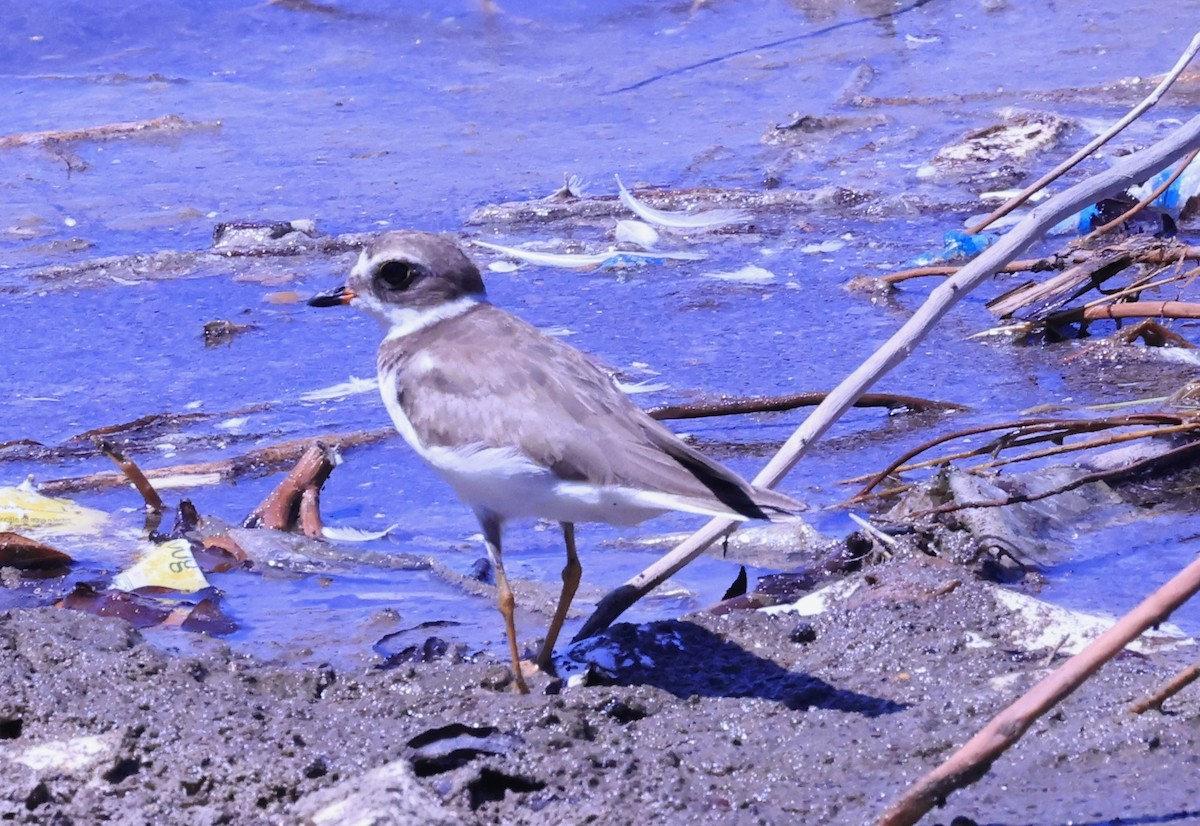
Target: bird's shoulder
(495, 380)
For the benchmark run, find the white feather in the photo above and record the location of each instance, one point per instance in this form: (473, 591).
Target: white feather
(710, 219)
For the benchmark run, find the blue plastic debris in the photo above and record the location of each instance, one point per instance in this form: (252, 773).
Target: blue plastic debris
(956, 244)
(623, 261)
(1177, 194)
(1080, 222)
(1172, 201)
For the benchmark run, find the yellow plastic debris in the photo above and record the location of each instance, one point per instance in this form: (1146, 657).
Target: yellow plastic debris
(23, 508)
(167, 565)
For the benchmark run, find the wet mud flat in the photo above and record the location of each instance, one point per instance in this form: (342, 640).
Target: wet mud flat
(746, 717)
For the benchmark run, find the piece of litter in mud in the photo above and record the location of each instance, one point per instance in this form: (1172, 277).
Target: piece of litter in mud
(635, 232)
(68, 757)
(824, 246)
(165, 565)
(709, 219)
(22, 507)
(1184, 188)
(352, 387)
(503, 266)
(236, 423)
(817, 602)
(749, 274)
(1037, 625)
(343, 533)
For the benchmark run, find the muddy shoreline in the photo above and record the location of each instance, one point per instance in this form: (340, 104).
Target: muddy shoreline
(748, 717)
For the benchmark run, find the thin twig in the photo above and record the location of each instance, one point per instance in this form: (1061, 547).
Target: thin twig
(1106, 441)
(1107, 475)
(1096, 142)
(1146, 282)
(1172, 687)
(133, 473)
(1057, 427)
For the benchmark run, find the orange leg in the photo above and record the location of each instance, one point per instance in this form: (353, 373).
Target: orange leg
(571, 574)
(504, 595)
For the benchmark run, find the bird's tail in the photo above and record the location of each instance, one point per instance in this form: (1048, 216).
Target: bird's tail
(737, 495)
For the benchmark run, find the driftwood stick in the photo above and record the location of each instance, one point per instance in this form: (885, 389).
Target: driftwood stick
(261, 462)
(281, 510)
(771, 404)
(1132, 115)
(1024, 265)
(1169, 689)
(133, 473)
(1131, 168)
(109, 131)
(1129, 309)
(310, 512)
(1155, 256)
(974, 759)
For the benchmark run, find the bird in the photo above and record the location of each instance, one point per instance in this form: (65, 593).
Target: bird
(519, 423)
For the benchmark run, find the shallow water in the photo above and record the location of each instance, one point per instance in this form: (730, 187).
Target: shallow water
(363, 117)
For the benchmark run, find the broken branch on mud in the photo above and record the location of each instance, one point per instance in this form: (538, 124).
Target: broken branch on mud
(294, 501)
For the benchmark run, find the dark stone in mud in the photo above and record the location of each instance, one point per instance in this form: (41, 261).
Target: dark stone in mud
(803, 633)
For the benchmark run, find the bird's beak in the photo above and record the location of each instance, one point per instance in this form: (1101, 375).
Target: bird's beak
(332, 298)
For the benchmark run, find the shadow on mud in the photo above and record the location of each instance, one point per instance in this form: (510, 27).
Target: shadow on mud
(686, 659)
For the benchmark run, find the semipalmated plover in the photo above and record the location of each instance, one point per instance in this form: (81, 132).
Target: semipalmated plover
(519, 423)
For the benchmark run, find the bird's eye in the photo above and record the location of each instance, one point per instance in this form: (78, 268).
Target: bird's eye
(398, 275)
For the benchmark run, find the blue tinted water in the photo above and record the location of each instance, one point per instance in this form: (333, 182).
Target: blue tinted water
(376, 117)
